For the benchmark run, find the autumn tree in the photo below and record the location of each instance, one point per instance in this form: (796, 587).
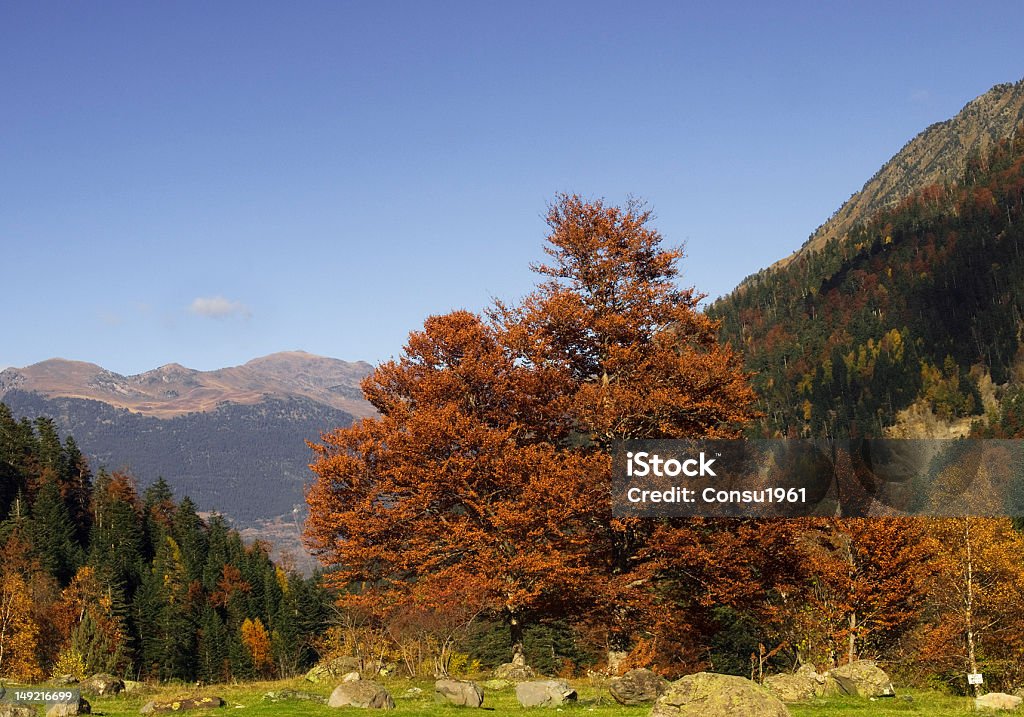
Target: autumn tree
(627, 355)
(489, 468)
(449, 493)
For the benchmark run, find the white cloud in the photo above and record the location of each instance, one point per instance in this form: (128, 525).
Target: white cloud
(217, 307)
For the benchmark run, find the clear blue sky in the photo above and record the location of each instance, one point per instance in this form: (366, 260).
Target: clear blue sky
(210, 182)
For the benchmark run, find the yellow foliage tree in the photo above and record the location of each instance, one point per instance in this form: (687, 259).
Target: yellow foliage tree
(18, 631)
(257, 642)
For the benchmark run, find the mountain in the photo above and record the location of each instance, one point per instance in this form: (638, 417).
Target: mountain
(174, 390)
(937, 155)
(909, 320)
(234, 439)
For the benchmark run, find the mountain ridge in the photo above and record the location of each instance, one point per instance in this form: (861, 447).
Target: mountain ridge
(174, 390)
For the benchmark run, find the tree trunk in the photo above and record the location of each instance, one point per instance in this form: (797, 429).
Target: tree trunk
(516, 631)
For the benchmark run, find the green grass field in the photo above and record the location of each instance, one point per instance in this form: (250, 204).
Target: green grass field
(247, 699)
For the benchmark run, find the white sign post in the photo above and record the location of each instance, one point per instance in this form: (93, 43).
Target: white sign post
(975, 678)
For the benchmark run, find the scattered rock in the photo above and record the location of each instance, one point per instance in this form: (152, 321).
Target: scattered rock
(497, 685)
(711, 695)
(637, 687)
(68, 709)
(9, 710)
(351, 677)
(101, 685)
(459, 692)
(363, 693)
(329, 670)
(544, 693)
(279, 695)
(186, 703)
(131, 687)
(513, 672)
(413, 692)
(862, 678)
(997, 701)
(63, 680)
(799, 687)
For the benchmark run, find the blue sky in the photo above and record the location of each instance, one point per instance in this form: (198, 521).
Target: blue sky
(209, 182)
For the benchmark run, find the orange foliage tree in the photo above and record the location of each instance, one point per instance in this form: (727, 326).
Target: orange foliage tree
(257, 643)
(448, 494)
(488, 471)
(18, 631)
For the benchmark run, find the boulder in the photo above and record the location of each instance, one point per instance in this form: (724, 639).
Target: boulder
(101, 685)
(362, 693)
(288, 694)
(352, 677)
(11, 710)
(131, 687)
(544, 693)
(67, 709)
(328, 670)
(862, 678)
(459, 692)
(997, 701)
(513, 672)
(64, 680)
(706, 694)
(182, 705)
(637, 687)
(799, 687)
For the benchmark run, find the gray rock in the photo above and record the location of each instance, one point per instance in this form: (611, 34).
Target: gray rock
(101, 685)
(352, 677)
(287, 694)
(364, 693)
(637, 687)
(10, 710)
(131, 687)
(67, 709)
(182, 705)
(997, 701)
(513, 672)
(459, 692)
(799, 687)
(63, 680)
(544, 693)
(328, 670)
(862, 678)
(711, 695)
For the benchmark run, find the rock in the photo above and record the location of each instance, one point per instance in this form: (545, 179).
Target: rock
(329, 670)
(279, 695)
(637, 687)
(862, 678)
(544, 693)
(711, 695)
(363, 693)
(186, 703)
(459, 692)
(997, 701)
(351, 677)
(63, 680)
(799, 687)
(9, 710)
(67, 709)
(497, 685)
(513, 672)
(131, 687)
(413, 692)
(101, 685)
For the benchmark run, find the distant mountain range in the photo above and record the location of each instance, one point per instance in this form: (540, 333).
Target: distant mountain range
(234, 439)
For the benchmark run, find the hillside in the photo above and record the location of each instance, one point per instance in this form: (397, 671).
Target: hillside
(937, 155)
(915, 314)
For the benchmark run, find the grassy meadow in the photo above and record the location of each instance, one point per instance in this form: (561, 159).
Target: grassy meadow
(247, 699)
